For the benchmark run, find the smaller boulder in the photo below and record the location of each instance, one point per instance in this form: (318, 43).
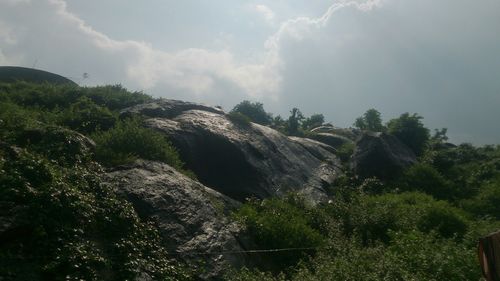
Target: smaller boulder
(380, 155)
(192, 219)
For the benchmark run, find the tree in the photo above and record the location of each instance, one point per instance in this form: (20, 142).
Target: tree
(370, 121)
(440, 135)
(410, 130)
(253, 110)
(294, 121)
(279, 124)
(313, 121)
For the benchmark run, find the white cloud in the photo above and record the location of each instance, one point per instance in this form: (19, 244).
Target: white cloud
(299, 27)
(266, 12)
(139, 64)
(194, 69)
(14, 2)
(3, 59)
(6, 34)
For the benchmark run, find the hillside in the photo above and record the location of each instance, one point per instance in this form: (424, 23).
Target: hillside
(16, 73)
(100, 183)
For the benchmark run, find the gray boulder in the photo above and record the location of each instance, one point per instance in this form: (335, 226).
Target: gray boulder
(245, 160)
(191, 217)
(166, 108)
(380, 155)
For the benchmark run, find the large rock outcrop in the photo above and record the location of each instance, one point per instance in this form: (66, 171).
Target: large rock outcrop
(191, 218)
(380, 155)
(241, 160)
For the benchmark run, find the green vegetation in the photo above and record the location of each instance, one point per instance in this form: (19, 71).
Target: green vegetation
(254, 111)
(276, 223)
(313, 121)
(239, 118)
(345, 151)
(423, 225)
(129, 141)
(365, 236)
(296, 124)
(59, 221)
(68, 225)
(370, 121)
(410, 130)
(425, 178)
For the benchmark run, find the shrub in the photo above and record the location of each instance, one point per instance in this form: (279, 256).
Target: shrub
(424, 178)
(313, 121)
(486, 202)
(276, 223)
(444, 219)
(64, 224)
(370, 121)
(129, 140)
(40, 95)
(372, 217)
(345, 151)
(254, 111)
(239, 119)
(422, 256)
(410, 130)
(13, 119)
(87, 117)
(410, 256)
(51, 96)
(115, 97)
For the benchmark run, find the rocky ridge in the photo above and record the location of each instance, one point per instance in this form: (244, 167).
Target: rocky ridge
(242, 161)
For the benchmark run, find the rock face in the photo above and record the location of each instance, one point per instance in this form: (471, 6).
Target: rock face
(239, 160)
(380, 155)
(165, 108)
(332, 140)
(191, 217)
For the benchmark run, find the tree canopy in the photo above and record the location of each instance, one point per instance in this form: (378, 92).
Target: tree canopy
(294, 121)
(410, 130)
(253, 110)
(313, 121)
(370, 121)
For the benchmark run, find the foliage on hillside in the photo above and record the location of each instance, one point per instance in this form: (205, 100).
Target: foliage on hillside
(90, 111)
(58, 220)
(128, 141)
(421, 226)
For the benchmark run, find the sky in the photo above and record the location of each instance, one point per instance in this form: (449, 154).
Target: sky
(437, 58)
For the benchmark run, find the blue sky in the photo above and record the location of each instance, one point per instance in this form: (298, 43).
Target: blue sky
(439, 58)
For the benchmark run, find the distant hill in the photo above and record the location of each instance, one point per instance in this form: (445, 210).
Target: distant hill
(16, 73)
